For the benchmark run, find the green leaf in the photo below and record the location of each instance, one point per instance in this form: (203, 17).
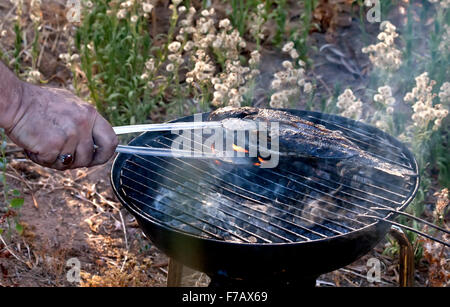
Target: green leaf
(19, 228)
(17, 202)
(16, 193)
(1, 231)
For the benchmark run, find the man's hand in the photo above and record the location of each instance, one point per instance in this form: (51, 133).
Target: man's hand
(50, 123)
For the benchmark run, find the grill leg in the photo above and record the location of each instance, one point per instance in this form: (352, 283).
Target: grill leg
(406, 257)
(175, 273)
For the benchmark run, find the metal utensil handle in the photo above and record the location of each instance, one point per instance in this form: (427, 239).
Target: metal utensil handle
(161, 152)
(412, 217)
(166, 127)
(405, 227)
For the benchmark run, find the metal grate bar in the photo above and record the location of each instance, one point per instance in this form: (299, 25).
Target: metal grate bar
(344, 185)
(348, 136)
(362, 200)
(262, 196)
(187, 213)
(293, 174)
(252, 216)
(225, 212)
(233, 208)
(378, 185)
(173, 217)
(353, 188)
(316, 190)
(265, 204)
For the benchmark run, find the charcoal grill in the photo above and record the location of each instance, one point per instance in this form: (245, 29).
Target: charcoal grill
(258, 226)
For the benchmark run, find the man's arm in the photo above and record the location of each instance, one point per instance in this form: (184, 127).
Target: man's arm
(10, 96)
(50, 124)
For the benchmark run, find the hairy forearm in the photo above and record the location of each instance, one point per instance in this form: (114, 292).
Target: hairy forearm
(10, 96)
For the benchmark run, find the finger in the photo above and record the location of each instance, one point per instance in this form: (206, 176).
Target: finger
(48, 152)
(69, 148)
(105, 139)
(47, 158)
(84, 154)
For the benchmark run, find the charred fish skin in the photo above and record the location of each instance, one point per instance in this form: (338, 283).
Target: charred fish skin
(297, 137)
(303, 138)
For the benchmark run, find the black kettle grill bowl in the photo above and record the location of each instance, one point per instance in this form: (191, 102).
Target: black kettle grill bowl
(266, 261)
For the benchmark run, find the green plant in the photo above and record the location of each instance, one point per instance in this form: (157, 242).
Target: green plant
(11, 202)
(17, 46)
(299, 35)
(240, 13)
(113, 52)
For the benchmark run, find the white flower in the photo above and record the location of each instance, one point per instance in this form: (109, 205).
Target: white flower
(65, 57)
(384, 96)
(33, 76)
(147, 7)
(384, 54)
(121, 14)
(288, 47)
(224, 23)
(276, 84)
(134, 18)
(188, 46)
(172, 57)
(174, 46)
(294, 54)
(150, 64)
(170, 67)
(176, 2)
(424, 111)
(287, 65)
(349, 105)
(307, 87)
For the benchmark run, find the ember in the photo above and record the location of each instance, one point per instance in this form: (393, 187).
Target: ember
(239, 149)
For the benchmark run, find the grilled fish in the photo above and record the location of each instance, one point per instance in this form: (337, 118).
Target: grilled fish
(305, 139)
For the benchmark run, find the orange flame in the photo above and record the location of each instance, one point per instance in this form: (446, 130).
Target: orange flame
(239, 148)
(262, 160)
